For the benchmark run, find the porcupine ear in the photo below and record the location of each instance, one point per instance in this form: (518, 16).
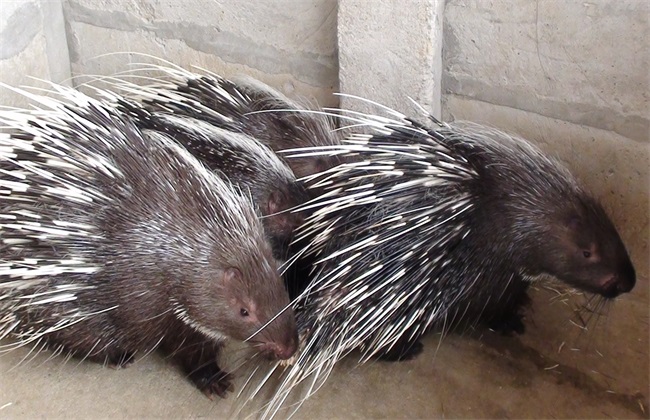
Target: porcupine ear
(231, 275)
(232, 279)
(273, 204)
(574, 222)
(283, 218)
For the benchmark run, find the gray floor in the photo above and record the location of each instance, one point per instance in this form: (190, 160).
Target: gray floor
(555, 370)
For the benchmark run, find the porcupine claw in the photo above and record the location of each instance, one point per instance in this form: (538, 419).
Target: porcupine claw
(211, 380)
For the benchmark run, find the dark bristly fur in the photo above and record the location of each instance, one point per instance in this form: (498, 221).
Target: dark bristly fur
(242, 105)
(115, 241)
(427, 227)
(244, 161)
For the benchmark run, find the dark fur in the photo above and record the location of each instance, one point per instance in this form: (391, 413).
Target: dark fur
(248, 106)
(274, 191)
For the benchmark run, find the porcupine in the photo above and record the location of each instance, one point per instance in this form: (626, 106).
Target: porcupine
(243, 160)
(430, 226)
(244, 105)
(116, 241)
(247, 106)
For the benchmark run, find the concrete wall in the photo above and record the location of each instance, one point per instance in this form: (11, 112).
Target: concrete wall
(32, 45)
(286, 43)
(389, 52)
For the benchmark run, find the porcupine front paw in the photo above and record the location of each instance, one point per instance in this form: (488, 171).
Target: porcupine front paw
(508, 325)
(509, 320)
(211, 380)
(197, 355)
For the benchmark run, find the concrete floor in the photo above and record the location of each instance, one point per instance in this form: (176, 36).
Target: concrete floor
(555, 370)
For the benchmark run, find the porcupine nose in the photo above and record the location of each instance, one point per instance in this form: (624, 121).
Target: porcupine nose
(285, 349)
(622, 282)
(627, 279)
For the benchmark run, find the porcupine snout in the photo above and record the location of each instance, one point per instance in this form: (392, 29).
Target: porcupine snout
(622, 281)
(280, 339)
(282, 350)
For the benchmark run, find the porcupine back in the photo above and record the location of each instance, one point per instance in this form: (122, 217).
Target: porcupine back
(104, 227)
(432, 226)
(244, 105)
(241, 159)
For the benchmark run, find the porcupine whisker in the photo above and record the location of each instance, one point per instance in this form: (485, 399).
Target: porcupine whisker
(178, 73)
(153, 348)
(175, 71)
(289, 210)
(289, 262)
(262, 382)
(595, 310)
(197, 368)
(44, 100)
(100, 351)
(376, 104)
(364, 119)
(117, 80)
(8, 108)
(317, 381)
(54, 354)
(248, 380)
(89, 352)
(594, 314)
(112, 79)
(67, 358)
(21, 361)
(420, 108)
(39, 348)
(287, 307)
(137, 53)
(243, 361)
(329, 112)
(157, 316)
(381, 124)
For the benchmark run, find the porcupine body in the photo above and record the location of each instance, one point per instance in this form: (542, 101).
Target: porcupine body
(241, 159)
(243, 105)
(248, 106)
(431, 226)
(115, 241)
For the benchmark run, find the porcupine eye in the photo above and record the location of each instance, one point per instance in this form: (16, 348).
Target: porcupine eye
(586, 254)
(243, 312)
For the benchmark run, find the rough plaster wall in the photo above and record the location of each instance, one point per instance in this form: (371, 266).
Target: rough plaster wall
(573, 77)
(390, 52)
(289, 44)
(31, 46)
(582, 62)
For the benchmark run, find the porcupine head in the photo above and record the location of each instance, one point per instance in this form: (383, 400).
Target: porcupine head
(243, 295)
(221, 276)
(554, 227)
(246, 305)
(584, 249)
